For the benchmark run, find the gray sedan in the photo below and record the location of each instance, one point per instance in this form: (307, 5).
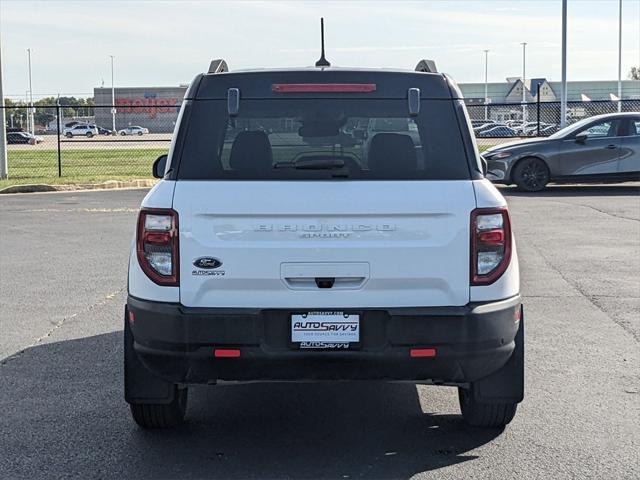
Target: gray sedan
(604, 148)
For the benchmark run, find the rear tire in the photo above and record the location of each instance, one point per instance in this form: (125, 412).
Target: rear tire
(68, 135)
(486, 415)
(159, 416)
(89, 134)
(531, 174)
(149, 415)
(492, 401)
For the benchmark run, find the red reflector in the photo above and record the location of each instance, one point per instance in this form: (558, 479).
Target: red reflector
(491, 237)
(158, 238)
(517, 315)
(323, 87)
(226, 353)
(422, 352)
(132, 317)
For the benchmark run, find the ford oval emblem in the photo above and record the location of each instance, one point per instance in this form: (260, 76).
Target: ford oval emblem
(208, 263)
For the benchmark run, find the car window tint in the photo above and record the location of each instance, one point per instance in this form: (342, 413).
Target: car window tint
(601, 129)
(375, 140)
(634, 127)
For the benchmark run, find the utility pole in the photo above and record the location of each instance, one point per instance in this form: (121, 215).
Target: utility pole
(486, 84)
(524, 87)
(563, 89)
(113, 100)
(60, 124)
(4, 168)
(31, 117)
(620, 56)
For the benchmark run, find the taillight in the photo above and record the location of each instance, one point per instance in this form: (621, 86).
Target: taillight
(157, 245)
(490, 244)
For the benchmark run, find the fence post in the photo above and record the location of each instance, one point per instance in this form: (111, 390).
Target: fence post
(58, 131)
(538, 108)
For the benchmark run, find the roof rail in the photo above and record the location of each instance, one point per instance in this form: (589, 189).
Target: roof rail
(426, 66)
(218, 66)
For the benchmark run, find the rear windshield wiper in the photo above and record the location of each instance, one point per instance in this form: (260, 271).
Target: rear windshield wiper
(312, 164)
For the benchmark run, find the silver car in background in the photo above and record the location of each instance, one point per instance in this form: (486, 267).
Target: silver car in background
(604, 148)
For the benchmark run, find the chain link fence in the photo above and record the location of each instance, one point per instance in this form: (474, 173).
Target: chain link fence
(97, 143)
(504, 122)
(87, 143)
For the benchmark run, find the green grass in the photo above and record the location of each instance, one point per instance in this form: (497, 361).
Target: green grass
(85, 166)
(79, 166)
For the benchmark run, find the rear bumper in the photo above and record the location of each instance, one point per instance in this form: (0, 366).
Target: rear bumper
(177, 343)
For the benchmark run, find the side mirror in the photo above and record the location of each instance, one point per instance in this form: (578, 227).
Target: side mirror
(159, 166)
(485, 166)
(581, 138)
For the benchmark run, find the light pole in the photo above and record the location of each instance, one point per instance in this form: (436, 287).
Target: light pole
(486, 84)
(27, 109)
(4, 166)
(620, 56)
(113, 100)
(30, 95)
(563, 92)
(524, 88)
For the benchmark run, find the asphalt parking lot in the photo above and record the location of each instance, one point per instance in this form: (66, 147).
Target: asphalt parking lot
(63, 264)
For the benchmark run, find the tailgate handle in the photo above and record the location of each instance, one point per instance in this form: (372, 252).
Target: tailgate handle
(336, 276)
(335, 283)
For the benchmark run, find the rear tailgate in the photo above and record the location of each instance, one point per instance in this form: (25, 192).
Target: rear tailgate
(384, 243)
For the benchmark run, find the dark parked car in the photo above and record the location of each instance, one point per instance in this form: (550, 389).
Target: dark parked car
(604, 148)
(497, 132)
(17, 137)
(22, 137)
(103, 131)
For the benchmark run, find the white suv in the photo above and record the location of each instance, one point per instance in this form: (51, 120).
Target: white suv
(277, 249)
(80, 129)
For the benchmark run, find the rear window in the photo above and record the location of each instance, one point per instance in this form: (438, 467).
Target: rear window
(312, 139)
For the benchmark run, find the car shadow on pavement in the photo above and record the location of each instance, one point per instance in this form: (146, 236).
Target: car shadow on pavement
(64, 415)
(608, 190)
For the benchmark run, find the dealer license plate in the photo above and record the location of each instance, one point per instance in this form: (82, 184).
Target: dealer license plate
(330, 330)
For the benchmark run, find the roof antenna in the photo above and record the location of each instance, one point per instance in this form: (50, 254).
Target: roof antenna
(322, 62)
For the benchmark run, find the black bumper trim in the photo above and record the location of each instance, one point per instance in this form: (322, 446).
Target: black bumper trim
(177, 342)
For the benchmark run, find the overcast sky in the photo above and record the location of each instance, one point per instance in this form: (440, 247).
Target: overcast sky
(168, 42)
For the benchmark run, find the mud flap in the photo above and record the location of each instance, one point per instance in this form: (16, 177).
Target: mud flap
(140, 385)
(507, 384)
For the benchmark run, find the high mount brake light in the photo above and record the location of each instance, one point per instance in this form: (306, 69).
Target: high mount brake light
(490, 244)
(157, 245)
(323, 87)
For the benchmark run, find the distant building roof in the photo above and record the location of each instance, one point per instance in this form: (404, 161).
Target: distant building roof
(595, 89)
(533, 84)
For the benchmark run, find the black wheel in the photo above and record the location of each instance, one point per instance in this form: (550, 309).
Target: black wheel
(89, 134)
(139, 133)
(487, 415)
(68, 135)
(150, 415)
(492, 401)
(158, 416)
(531, 174)
(122, 133)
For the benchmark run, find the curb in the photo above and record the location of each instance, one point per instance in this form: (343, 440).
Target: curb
(108, 185)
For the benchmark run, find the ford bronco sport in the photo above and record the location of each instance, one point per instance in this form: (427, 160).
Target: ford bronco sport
(323, 224)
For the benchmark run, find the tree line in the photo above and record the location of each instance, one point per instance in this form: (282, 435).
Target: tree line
(45, 110)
